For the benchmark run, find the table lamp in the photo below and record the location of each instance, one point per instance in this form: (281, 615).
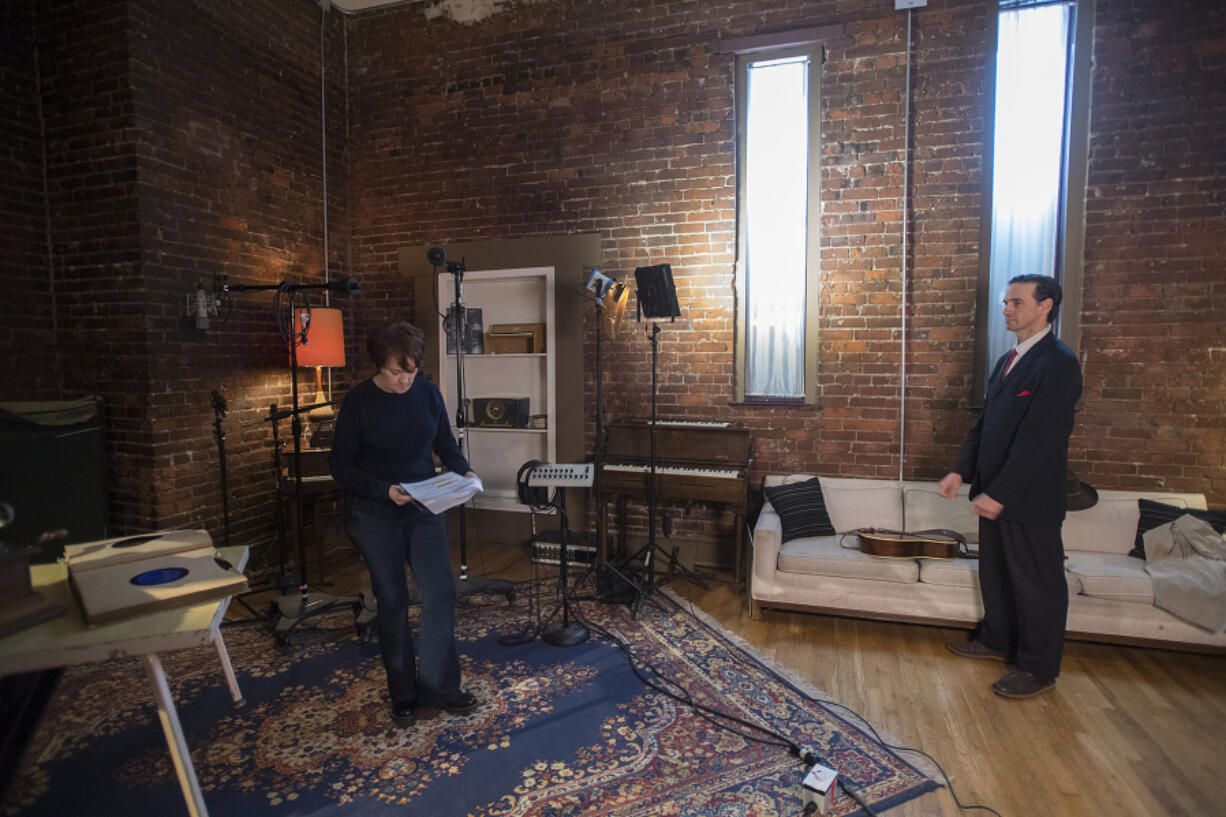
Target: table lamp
(324, 346)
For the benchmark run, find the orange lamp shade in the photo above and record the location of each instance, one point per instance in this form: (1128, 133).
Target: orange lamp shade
(325, 340)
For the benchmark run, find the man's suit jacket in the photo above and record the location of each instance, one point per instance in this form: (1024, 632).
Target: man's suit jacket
(1017, 451)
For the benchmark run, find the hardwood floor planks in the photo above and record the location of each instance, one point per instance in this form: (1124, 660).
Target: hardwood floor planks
(1127, 732)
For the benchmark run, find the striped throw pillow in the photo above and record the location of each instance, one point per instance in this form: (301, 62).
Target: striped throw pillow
(801, 509)
(1156, 514)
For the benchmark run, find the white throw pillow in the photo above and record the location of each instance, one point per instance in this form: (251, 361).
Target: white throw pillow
(862, 503)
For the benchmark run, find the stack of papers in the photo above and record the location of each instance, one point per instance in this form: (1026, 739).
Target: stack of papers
(437, 494)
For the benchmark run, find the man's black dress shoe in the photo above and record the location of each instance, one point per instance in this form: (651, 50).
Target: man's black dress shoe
(402, 712)
(1022, 684)
(975, 649)
(460, 703)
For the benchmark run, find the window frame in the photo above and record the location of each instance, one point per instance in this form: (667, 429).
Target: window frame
(808, 44)
(1071, 238)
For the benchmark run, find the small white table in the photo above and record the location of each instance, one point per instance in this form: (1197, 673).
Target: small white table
(67, 640)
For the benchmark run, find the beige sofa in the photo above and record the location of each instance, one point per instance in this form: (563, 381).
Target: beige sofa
(1110, 596)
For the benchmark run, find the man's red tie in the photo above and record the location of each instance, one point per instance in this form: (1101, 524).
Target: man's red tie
(1009, 362)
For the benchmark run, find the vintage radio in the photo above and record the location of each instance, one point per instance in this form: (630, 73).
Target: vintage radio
(499, 412)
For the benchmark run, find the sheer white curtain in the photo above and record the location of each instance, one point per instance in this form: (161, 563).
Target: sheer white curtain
(1031, 63)
(776, 178)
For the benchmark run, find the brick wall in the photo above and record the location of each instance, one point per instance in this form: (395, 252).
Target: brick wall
(1154, 412)
(94, 226)
(571, 116)
(577, 117)
(27, 319)
(182, 140)
(228, 123)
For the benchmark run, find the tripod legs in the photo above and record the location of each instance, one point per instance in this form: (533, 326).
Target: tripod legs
(566, 633)
(291, 610)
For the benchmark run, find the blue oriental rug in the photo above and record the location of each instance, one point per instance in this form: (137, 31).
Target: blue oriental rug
(560, 730)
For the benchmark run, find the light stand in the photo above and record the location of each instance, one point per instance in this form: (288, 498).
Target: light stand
(598, 448)
(653, 335)
(290, 610)
(466, 586)
(657, 298)
(602, 286)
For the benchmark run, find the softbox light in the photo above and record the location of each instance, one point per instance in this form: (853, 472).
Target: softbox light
(657, 294)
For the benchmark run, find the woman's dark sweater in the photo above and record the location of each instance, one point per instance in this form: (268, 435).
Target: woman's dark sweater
(384, 438)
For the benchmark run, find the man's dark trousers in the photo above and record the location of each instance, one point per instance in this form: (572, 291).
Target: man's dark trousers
(1025, 595)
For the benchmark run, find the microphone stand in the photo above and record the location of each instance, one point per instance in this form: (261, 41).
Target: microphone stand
(466, 586)
(564, 634)
(219, 412)
(290, 610)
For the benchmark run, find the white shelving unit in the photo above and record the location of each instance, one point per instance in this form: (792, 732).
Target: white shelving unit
(496, 454)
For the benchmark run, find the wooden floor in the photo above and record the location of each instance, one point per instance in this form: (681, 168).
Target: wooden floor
(1127, 730)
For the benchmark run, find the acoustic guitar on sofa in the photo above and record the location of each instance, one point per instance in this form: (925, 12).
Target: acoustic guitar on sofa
(935, 543)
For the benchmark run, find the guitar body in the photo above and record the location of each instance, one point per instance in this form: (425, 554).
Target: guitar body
(902, 545)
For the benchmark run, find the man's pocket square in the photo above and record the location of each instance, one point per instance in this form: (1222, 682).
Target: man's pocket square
(1024, 393)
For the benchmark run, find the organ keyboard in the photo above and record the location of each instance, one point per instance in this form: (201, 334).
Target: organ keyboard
(671, 469)
(696, 461)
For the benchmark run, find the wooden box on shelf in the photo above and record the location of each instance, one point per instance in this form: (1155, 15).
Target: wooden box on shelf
(516, 338)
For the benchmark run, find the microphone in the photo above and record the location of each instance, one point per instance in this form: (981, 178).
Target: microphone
(346, 286)
(436, 256)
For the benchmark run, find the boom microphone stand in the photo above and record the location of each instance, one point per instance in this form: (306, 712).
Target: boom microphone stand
(466, 586)
(289, 609)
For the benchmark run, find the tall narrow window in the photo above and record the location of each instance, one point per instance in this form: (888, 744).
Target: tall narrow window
(777, 139)
(1030, 180)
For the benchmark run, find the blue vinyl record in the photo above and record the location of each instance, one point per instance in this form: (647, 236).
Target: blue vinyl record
(162, 575)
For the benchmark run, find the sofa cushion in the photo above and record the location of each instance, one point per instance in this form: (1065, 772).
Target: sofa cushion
(950, 572)
(862, 503)
(824, 556)
(1153, 514)
(965, 573)
(801, 509)
(925, 509)
(1111, 576)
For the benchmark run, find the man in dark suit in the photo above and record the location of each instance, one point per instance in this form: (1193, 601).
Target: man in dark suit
(1015, 459)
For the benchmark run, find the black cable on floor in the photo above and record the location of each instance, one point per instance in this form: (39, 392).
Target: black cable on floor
(710, 714)
(747, 657)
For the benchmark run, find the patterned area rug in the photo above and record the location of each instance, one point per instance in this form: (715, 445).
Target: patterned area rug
(560, 731)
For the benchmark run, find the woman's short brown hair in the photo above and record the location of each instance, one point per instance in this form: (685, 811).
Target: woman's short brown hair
(399, 343)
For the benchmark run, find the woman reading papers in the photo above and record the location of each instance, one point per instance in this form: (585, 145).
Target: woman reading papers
(387, 430)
